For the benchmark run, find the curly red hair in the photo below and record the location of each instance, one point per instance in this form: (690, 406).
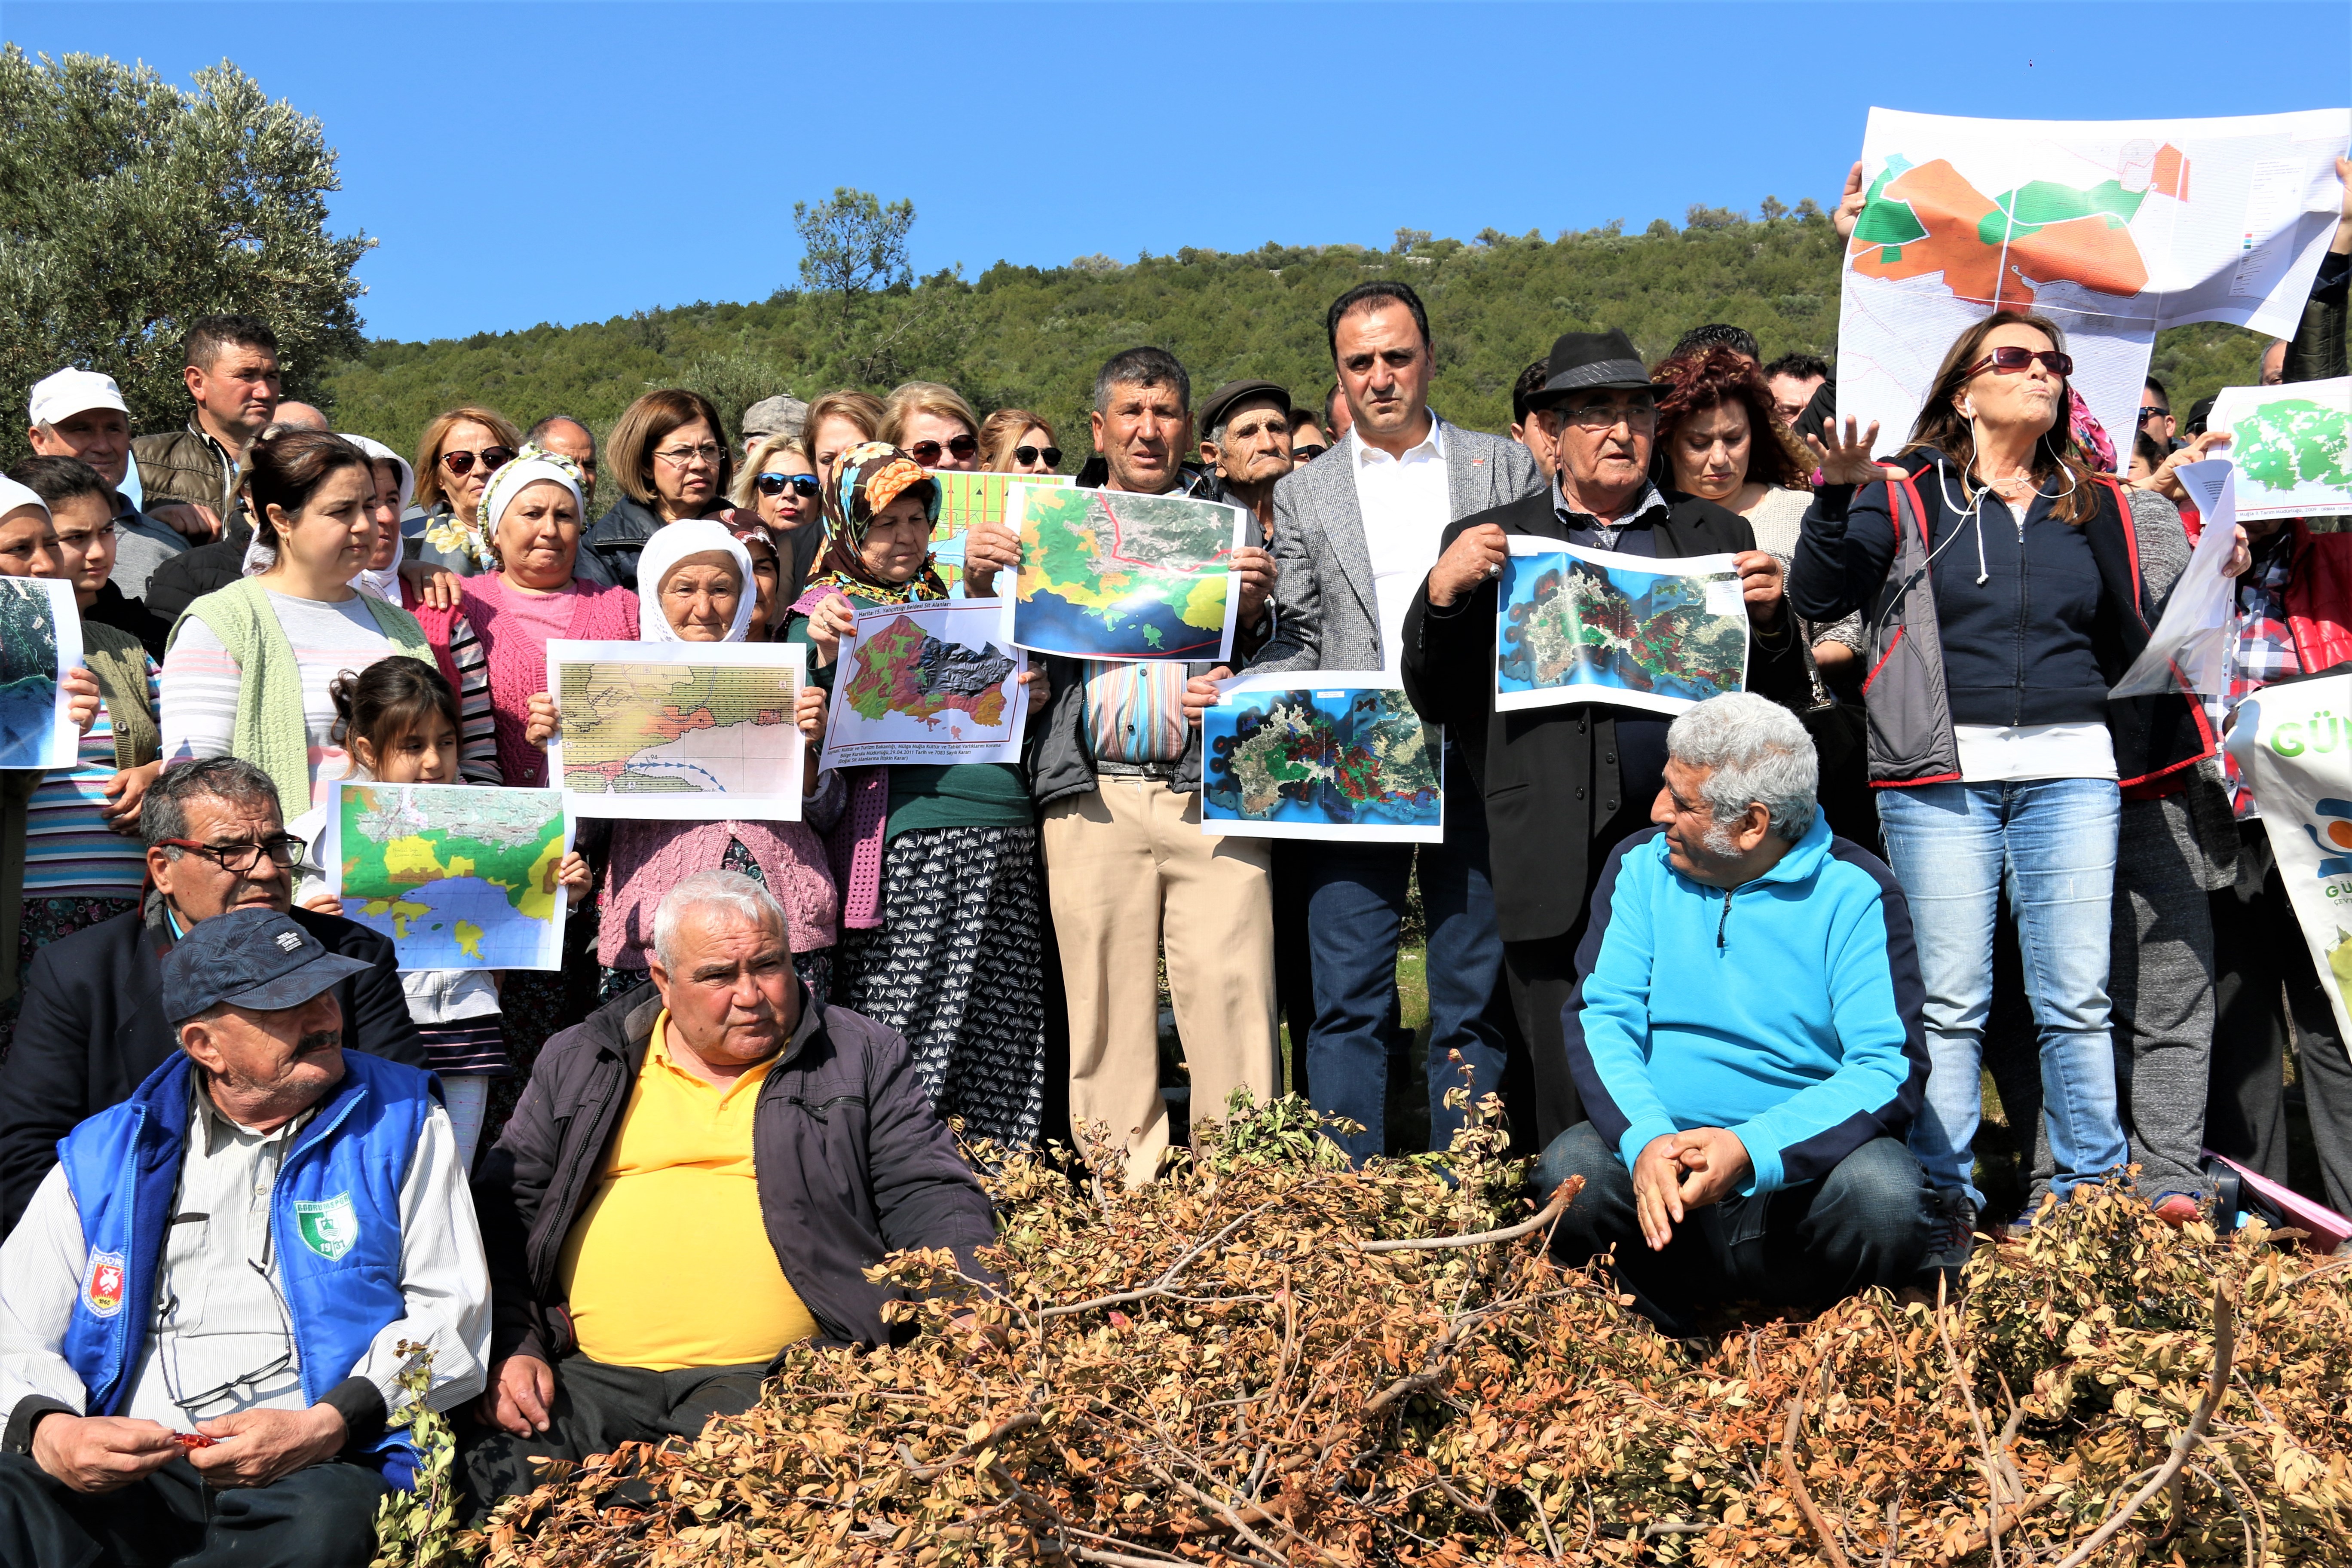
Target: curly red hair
(1710, 378)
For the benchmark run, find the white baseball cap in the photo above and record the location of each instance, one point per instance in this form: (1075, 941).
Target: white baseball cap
(70, 392)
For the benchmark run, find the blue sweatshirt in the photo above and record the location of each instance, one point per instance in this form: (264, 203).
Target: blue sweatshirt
(1786, 1011)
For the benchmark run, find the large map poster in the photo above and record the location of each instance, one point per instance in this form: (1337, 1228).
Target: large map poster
(457, 876)
(2293, 746)
(1573, 625)
(699, 732)
(2291, 446)
(1107, 575)
(927, 683)
(967, 501)
(40, 639)
(2113, 229)
(1320, 755)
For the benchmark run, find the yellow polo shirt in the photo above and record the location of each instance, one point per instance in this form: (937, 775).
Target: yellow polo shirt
(669, 1266)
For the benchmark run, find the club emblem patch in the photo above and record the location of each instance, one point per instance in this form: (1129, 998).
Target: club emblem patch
(328, 1227)
(101, 1286)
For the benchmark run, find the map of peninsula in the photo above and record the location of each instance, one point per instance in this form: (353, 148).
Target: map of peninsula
(901, 668)
(458, 877)
(1574, 625)
(1355, 763)
(1106, 574)
(629, 729)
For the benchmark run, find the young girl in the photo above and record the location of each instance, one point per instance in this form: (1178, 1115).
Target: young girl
(398, 721)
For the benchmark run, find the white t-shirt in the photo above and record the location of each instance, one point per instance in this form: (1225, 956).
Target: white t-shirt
(1406, 508)
(2014, 753)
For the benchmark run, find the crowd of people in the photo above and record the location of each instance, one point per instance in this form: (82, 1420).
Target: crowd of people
(262, 1190)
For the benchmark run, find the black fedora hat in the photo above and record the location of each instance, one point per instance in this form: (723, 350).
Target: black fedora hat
(1584, 362)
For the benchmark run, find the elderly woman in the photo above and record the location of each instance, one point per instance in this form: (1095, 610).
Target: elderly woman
(836, 422)
(779, 485)
(1015, 441)
(460, 450)
(248, 668)
(696, 580)
(941, 915)
(1998, 574)
(668, 457)
(933, 425)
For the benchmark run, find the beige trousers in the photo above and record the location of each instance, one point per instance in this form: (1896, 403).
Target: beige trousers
(1128, 866)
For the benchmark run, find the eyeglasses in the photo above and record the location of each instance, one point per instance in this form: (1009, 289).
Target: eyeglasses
(2012, 358)
(679, 456)
(240, 856)
(928, 452)
(2152, 411)
(1306, 454)
(1053, 454)
(1609, 415)
(460, 464)
(802, 484)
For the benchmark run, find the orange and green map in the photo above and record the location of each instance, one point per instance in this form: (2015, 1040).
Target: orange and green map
(1926, 219)
(902, 669)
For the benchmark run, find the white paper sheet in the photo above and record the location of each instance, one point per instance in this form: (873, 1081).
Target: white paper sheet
(665, 732)
(2292, 445)
(951, 692)
(2194, 635)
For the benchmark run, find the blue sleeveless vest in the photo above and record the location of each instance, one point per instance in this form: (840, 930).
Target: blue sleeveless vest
(334, 1224)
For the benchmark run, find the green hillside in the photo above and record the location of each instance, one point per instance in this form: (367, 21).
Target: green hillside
(1022, 336)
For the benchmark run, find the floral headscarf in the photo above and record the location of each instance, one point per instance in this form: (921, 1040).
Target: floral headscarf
(870, 477)
(2090, 437)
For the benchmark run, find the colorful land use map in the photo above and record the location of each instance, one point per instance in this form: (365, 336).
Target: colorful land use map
(2291, 446)
(458, 877)
(40, 637)
(926, 683)
(1347, 758)
(1105, 574)
(1584, 625)
(2111, 229)
(965, 502)
(700, 732)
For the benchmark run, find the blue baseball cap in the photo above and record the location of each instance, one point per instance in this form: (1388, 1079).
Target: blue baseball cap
(249, 958)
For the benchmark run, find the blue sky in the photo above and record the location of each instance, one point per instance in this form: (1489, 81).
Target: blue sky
(570, 162)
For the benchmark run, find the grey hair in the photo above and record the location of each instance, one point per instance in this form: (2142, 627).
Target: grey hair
(729, 891)
(1225, 421)
(1759, 755)
(165, 812)
(1142, 367)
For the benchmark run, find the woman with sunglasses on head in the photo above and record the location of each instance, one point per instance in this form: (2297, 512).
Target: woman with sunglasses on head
(671, 460)
(459, 452)
(1998, 578)
(933, 425)
(1015, 441)
(778, 486)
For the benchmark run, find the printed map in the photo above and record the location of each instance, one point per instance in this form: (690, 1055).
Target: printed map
(925, 683)
(967, 501)
(694, 731)
(1105, 574)
(2291, 446)
(1348, 763)
(458, 877)
(1580, 625)
(34, 731)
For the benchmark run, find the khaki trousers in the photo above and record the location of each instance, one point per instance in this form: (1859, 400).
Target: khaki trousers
(1128, 866)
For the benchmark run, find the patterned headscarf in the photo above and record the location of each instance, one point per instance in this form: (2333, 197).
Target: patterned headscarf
(2090, 437)
(868, 477)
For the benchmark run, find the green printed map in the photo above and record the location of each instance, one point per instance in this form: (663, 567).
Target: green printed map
(2291, 446)
(458, 877)
(1105, 574)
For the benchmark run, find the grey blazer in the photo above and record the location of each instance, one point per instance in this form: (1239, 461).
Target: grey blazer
(1327, 615)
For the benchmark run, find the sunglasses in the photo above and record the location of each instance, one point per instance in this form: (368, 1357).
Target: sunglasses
(1306, 454)
(460, 464)
(1053, 454)
(928, 452)
(2153, 411)
(802, 484)
(2012, 359)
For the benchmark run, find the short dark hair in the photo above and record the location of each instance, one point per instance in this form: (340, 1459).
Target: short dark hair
(1531, 381)
(1371, 297)
(1142, 367)
(165, 812)
(544, 425)
(1330, 401)
(1718, 335)
(286, 471)
(1799, 365)
(2157, 387)
(208, 335)
(59, 479)
(2142, 445)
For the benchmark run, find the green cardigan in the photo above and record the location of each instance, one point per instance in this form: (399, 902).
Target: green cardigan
(271, 730)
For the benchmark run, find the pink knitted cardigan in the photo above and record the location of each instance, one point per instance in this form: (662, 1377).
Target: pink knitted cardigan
(855, 845)
(649, 858)
(518, 659)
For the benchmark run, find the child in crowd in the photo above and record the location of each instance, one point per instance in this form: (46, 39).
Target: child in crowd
(398, 721)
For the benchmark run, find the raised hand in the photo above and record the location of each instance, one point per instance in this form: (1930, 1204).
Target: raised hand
(1847, 462)
(988, 548)
(1850, 204)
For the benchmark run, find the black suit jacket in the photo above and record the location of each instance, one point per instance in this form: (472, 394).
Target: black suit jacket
(1531, 765)
(91, 1028)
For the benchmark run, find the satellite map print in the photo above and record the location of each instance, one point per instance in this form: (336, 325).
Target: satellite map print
(1105, 574)
(29, 675)
(456, 877)
(1354, 762)
(1570, 628)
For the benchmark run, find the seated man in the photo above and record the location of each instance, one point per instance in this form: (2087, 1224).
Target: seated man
(695, 1179)
(1746, 1036)
(246, 1250)
(92, 1025)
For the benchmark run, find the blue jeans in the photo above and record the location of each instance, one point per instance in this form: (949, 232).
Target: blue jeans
(1355, 904)
(2051, 844)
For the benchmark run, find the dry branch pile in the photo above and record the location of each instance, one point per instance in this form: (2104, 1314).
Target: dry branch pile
(1231, 1367)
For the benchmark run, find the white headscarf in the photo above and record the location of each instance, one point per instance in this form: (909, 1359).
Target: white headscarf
(526, 468)
(672, 543)
(14, 495)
